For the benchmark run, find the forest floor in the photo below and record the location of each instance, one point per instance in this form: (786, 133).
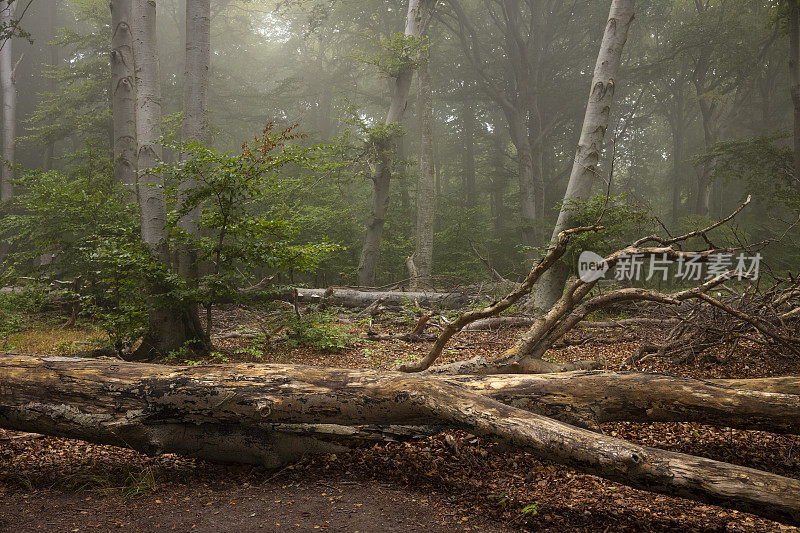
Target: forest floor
(451, 482)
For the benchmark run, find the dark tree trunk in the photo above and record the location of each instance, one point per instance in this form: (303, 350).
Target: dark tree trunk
(794, 74)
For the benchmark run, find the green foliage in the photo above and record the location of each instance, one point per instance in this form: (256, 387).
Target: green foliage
(622, 221)
(395, 54)
(763, 164)
(762, 167)
(12, 29)
(78, 108)
(319, 331)
(83, 228)
(242, 230)
(15, 306)
(531, 509)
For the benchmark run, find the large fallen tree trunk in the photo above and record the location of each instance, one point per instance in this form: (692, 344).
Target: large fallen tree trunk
(158, 408)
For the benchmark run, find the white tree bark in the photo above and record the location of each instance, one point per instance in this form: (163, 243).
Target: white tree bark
(9, 90)
(426, 182)
(195, 101)
(419, 16)
(590, 145)
(123, 96)
(169, 328)
(148, 128)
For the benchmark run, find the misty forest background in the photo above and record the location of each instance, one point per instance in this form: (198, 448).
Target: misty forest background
(702, 116)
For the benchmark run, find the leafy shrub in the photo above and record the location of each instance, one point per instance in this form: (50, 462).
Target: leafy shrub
(69, 227)
(318, 330)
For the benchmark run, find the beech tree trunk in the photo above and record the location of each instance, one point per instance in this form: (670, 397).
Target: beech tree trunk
(148, 128)
(469, 125)
(195, 102)
(419, 16)
(123, 96)
(9, 90)
(156, 408)
(169, 328)
(590, 145)
(426, 183)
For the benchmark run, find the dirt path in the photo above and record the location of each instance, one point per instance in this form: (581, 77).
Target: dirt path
(330, 506)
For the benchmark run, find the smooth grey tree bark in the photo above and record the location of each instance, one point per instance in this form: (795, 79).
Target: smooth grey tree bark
(195, 120)
(148, 128)
(468, 123)
(590, 145)
(170, 327)
(123, 96)
(420, 264)
(9, 97)
(419, 16)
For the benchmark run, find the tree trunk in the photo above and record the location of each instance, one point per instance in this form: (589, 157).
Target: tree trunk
(794, 75)
(468, 122)
(148, 128)
(590, 144)
(9, 96)
(53, 21)
(678, 128)
(170, 328)
(499, 181)
(157, 408)
(527, 190)
(194, 127)
(426, 183)
(123, 96)
(419, 16)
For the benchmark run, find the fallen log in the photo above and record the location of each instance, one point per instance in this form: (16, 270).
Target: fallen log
(590, 398)
(356, 299)
(516, 321)
(159, 408)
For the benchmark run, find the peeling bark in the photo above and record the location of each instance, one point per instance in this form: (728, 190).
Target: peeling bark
(119, 403)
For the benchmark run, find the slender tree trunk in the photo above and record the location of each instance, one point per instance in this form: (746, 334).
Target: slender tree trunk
(426, 183)
(703, 199)
(527, 191)
(469, 126)
(9, 97)
(794, 74)
(590, 144)
(123, 96)
(678, 133)
(52, 82)
(170, 328)
(157, 408)
(499, 181)
(195, 102)
(419, 16)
